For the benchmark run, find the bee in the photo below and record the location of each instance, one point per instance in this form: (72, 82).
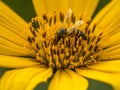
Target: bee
(73, 31)
(70, 32)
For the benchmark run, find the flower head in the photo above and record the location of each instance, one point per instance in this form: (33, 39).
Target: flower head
(62, 43)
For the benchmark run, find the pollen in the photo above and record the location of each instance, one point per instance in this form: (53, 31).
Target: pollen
(62, 40)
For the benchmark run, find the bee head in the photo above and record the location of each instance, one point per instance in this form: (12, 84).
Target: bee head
(62, 31)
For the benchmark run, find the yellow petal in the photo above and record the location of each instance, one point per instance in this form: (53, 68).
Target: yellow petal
(100, 76)
(11, 25)
(13, 44)
(12, 35)
(67, 80)
(10, 48)
(109, 56)
(85, 7)
(106, 66)
(114, 52)
(114, 48)
(41, 77)
(25, 79)
(108, 22)
(16, 62)
(78, 81)
(111, 41)
(7, 34)
(0, 84)
(108, 19)
(10, 17)
(111, 53)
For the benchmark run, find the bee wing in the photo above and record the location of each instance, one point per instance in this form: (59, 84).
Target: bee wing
(73, 27)
(78, 23)
(70, 30)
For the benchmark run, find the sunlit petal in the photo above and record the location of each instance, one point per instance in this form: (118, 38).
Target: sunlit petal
(33, 50)
(105, 18)
(107, 24)
(12, 28)
(68, 80)
(20, 79)
(10, 20)
(100, 76)
(16, 62)
(38, 78)
(86, 7)
(106, 66)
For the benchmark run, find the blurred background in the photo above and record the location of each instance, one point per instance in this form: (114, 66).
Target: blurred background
(25, 9)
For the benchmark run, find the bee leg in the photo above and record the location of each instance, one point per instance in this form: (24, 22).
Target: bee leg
(84, 36)
(57, 38)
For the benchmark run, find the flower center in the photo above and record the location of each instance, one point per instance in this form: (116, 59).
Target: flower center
(63, 41)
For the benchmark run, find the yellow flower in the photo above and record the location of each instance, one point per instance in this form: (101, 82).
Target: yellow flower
(62, 43)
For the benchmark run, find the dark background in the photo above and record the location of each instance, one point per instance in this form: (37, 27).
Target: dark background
(25, 9)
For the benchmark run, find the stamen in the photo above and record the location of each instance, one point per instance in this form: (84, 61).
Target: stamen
(61, 41)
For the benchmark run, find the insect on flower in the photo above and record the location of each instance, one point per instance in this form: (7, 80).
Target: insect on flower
(70, 32)
(74, 31)
(56, 50)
